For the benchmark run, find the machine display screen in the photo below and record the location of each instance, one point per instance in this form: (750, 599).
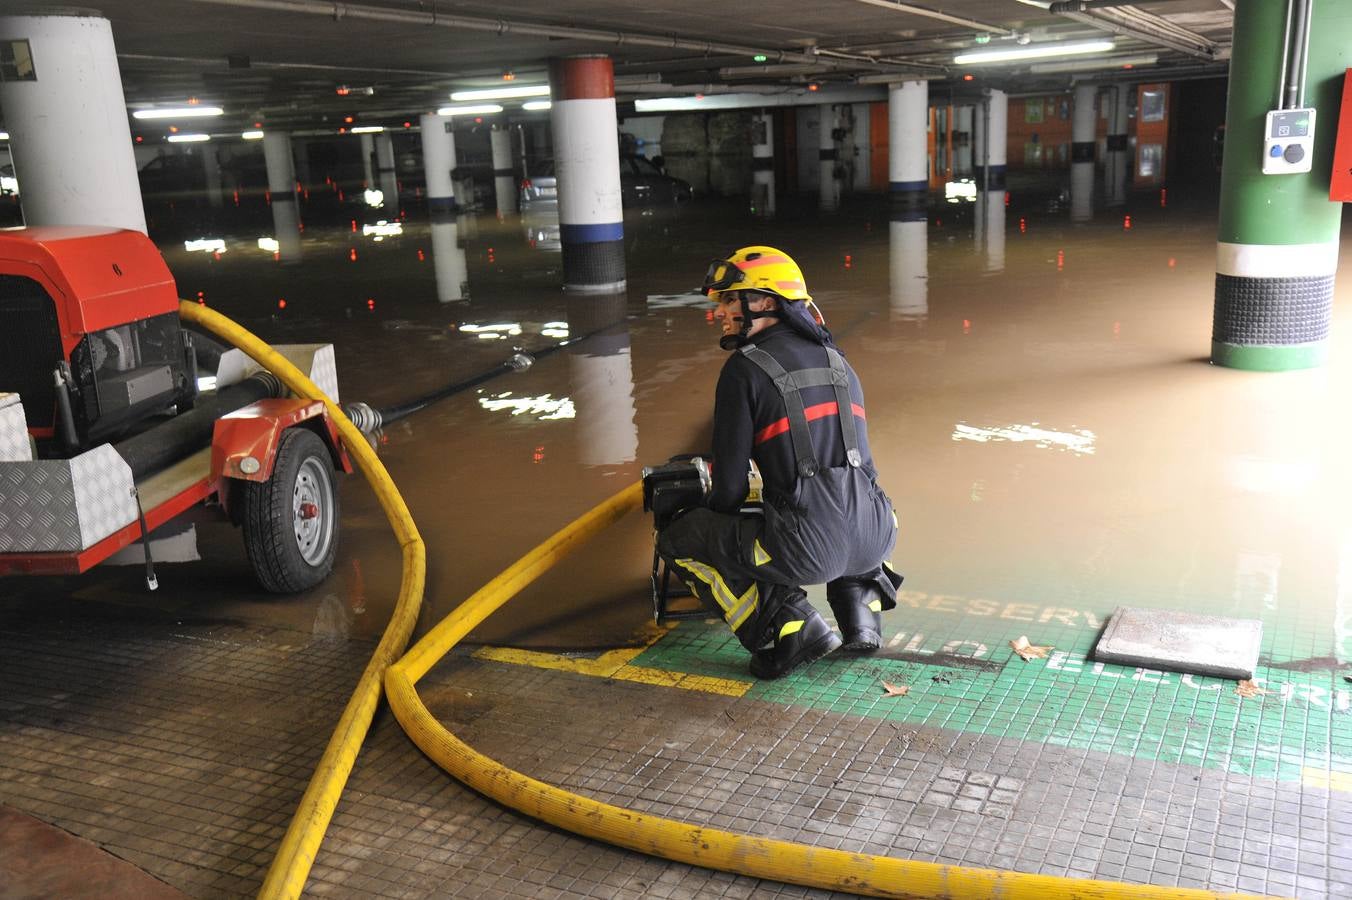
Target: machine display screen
(1291, 123)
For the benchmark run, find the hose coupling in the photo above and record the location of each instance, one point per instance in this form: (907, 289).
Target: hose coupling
(363, 416)
(520, 362)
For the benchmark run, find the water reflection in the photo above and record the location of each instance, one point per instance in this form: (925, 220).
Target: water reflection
(989, 231)
(540, 222)
(908, 258)
(603, 381)
(1078, 441)
(449, 264)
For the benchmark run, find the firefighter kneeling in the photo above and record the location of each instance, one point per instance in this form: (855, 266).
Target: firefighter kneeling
(786, 399)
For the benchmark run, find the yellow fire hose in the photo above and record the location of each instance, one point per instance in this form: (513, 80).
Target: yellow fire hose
(291, 866)
(859, 873)
(818, 867)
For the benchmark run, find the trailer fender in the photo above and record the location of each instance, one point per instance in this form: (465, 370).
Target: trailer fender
(244, 442)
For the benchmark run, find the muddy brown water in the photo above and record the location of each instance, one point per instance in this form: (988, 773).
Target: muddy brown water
(1038, 398)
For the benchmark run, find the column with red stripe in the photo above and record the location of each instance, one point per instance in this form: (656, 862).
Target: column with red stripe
(587, 167)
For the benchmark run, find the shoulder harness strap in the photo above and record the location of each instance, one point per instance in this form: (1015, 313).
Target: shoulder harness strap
(790, 385)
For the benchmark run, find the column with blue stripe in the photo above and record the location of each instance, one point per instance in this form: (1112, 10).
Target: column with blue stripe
(438, 143)
(908, 152)
(587, 166)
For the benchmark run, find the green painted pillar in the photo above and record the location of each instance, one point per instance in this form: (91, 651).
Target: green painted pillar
(1277, 248)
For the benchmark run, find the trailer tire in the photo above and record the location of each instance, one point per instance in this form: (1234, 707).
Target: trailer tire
(290, 521)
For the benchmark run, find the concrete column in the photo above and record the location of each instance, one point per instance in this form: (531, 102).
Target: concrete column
(300, 150)
(1082, 153)
(962, 142)
(67, 123)
(438, 142)
(587, 167)
(449, 263)
(1277, 247)
(829, 185)
(763, 165)
(504, 175)
(211, 165)
(989, 229)
(602, 380)
(992, 129)
(908, 151)
(385, 171)
(908, 276)
(1117, 164)
(282, 194)
(368, 150)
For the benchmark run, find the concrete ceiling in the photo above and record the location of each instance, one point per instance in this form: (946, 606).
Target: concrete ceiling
(281, 62)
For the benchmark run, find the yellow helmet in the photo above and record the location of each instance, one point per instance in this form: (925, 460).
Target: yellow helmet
(757, 269)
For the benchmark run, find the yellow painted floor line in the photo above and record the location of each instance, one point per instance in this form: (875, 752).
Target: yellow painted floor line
(1333, 781)
(615, 664)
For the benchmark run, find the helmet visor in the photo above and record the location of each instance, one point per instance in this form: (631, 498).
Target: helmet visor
(722, 275)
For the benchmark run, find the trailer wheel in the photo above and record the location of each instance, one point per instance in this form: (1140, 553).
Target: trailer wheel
(290, 521)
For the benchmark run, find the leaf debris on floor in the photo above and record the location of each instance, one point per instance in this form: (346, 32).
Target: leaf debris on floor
(1029, 651)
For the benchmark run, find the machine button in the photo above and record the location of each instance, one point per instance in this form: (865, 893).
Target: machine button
(1294, 153)
(1276, 151)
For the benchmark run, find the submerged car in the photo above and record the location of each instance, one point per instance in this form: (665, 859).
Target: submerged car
(642, 183)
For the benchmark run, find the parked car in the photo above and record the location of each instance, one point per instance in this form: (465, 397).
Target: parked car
(642, 183)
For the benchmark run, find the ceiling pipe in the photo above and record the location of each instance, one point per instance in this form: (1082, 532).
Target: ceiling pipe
(928, 13)
(339, 11)
(1061, 7)
(1143, 26)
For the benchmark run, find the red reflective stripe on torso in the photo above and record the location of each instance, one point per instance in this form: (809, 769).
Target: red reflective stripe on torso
(816, 411)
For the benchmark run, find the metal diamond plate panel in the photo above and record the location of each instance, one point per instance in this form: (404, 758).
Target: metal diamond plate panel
(324, 371)
(64, 505)
(14, 444)
(37, 507)
(103, 493)
(315, 360)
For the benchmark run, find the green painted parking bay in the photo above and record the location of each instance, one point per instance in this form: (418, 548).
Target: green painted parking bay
(954, 654)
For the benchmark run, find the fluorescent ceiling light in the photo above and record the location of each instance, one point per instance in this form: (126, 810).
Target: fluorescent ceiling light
(669, 104)
(186, 112)
(506, 93)
(252, 135)
(483, 109)
(536, 105)
(4, 135)
(367, 129)
(1089, 65)
(188, 138)
(1037, 51)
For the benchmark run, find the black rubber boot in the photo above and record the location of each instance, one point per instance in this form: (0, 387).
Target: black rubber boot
(857, 607)
(798, 637)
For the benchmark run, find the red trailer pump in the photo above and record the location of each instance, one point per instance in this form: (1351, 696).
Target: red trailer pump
(104, 434)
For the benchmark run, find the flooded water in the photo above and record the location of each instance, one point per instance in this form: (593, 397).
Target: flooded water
(1039, 404)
